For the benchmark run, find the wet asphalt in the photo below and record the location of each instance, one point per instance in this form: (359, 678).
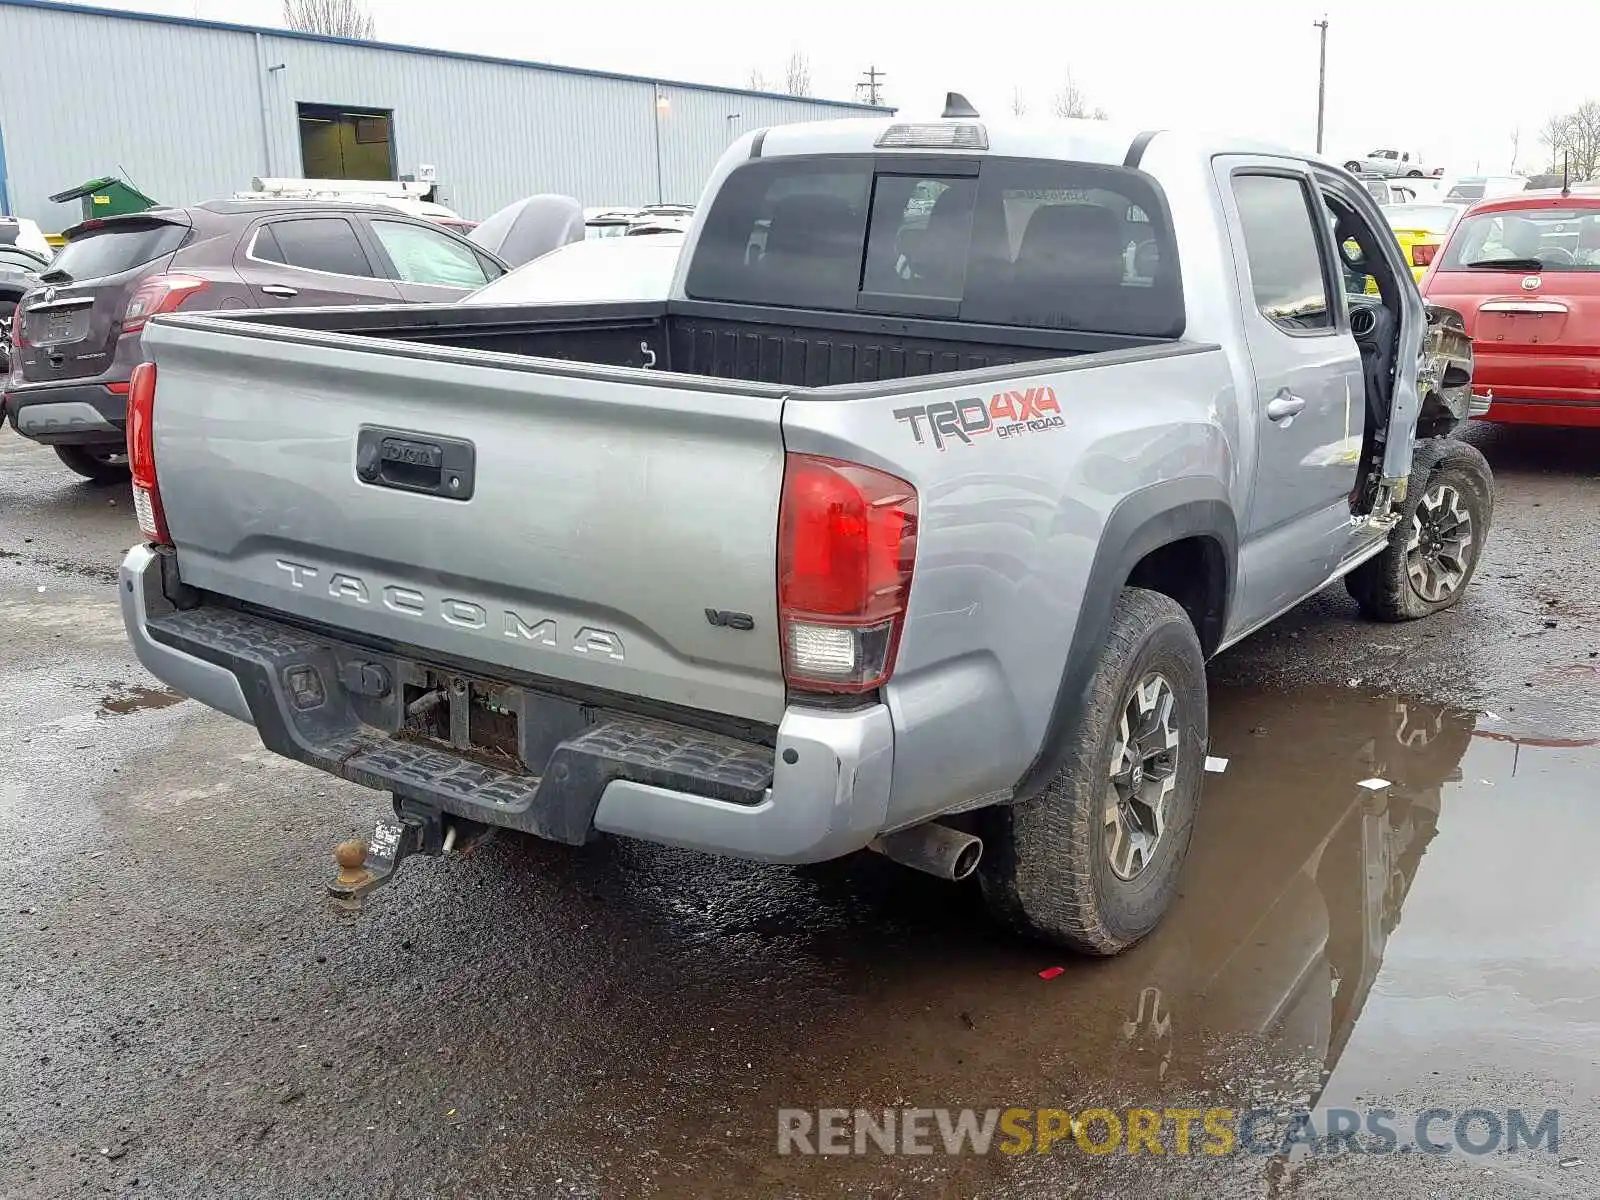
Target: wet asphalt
(182, 1015)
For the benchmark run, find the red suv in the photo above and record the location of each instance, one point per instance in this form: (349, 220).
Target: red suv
(1524, 272)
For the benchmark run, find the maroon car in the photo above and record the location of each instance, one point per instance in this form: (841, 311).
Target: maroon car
(76, 335)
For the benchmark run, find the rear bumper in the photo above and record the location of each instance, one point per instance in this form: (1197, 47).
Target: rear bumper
(68, 414)
(819, 791)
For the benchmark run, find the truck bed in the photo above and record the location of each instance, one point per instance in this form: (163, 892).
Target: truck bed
(712, 340)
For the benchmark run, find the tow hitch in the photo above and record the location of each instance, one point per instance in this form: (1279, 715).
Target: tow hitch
(417, 829)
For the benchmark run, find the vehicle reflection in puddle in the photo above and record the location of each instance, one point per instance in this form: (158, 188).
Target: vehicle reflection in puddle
(1297, 878)
(1250, 992)
(1424, 941)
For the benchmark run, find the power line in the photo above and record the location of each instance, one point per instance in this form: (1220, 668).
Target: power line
(870, 84)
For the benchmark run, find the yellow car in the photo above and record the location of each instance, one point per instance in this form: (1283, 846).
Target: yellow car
(1421, 230)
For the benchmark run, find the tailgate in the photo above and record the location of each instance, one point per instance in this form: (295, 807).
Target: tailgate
(598, 513)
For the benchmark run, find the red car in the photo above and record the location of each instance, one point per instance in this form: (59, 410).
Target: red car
(1524, 272)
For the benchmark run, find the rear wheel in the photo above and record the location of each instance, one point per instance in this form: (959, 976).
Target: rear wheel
(1092, 862)
(1434, 550)
(1352, 166)
(99, 464)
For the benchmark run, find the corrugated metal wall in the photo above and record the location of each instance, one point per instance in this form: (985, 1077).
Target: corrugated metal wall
(189, 112)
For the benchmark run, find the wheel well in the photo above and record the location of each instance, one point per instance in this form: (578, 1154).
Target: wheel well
(1194, 572)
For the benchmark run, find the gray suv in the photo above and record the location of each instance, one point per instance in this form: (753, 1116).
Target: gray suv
(77, 335)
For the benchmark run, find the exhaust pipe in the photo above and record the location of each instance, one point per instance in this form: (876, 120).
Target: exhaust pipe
(931, 847)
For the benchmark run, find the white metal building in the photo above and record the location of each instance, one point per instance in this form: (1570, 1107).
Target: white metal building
(188, 110)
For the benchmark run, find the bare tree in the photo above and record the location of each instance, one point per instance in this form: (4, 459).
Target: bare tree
(797, 75)
(1071, 102)
(1516, 145)
(1574, 141)
(337, 18)
(758, 80)
(1019, 102)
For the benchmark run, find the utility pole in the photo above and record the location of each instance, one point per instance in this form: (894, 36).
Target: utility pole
(1322, 76)
(870, 83)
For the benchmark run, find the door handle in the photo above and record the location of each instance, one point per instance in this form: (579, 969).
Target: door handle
(1283, 406)
(278, 289)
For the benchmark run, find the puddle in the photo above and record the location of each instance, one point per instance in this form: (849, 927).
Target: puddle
(1432, 939)
(137, 699)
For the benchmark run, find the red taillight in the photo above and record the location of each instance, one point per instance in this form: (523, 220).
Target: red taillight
(142, 454)
(1422, 254)
(847, 538)
(158, 294)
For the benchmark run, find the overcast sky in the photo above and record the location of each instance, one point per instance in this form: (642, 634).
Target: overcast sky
(1454, 81)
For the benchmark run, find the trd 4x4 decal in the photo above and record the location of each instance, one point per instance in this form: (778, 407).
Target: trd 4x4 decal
(1005, 414)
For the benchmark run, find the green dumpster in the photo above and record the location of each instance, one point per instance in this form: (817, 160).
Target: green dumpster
(106, 197)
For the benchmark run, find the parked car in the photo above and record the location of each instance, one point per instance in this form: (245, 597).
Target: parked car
(610, 269)
(404, 194)
(1469, 189)
(856, 540)
(24, 235)
(19, 272)
(651, 226)
(1524, 272)
(608, 222)
(78, 336)
(1391, 163)
(1387, 191)
(1421, 229)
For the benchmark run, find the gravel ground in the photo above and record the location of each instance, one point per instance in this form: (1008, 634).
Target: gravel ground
(185, 1017)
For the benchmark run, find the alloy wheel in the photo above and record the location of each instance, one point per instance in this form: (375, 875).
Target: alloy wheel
(1143, 774)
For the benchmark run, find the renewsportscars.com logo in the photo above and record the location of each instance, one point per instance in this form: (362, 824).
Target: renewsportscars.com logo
(1005, 414)
(1178, 1132)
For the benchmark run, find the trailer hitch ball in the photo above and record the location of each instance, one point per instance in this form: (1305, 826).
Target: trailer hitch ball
(351, 857)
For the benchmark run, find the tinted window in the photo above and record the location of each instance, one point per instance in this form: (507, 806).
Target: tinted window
(918, 239)
(1561, 239)
(111, 251)
(422, 255)
(1072, 246)
(785, 232)
(315, 243)
(1283, 250)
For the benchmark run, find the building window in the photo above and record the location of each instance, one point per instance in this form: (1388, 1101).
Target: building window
(346, 143)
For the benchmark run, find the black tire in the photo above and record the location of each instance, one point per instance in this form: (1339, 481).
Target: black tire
(1445, 471)
(98, 464)
(1413, 174)
(1046, 870)
(1352, 166)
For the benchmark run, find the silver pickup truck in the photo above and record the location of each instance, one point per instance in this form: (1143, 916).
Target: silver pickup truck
(907, 521)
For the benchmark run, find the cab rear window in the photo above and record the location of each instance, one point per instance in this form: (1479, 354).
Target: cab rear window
(1053, 245)
(97, 253)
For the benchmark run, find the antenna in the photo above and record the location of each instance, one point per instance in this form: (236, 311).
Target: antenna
(1566, 188)
(957, 105)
